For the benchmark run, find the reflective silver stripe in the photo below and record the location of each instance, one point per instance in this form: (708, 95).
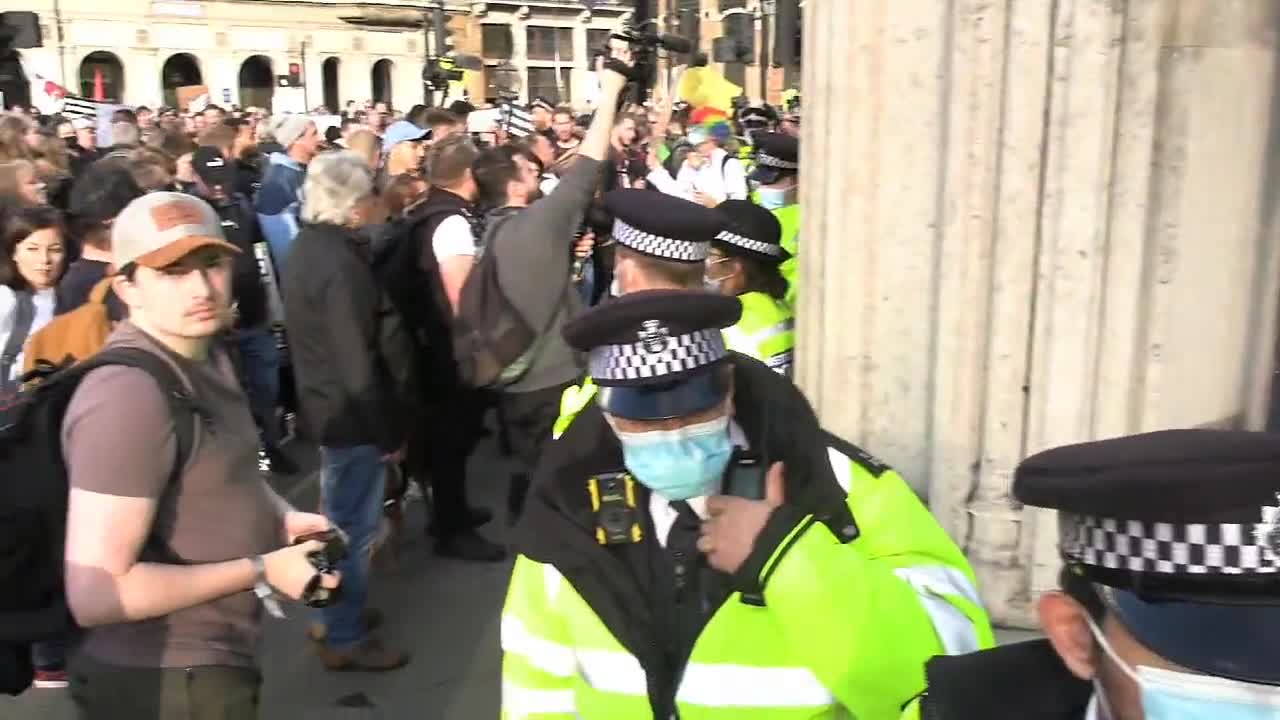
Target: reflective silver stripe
(773, 331)
(842, 466)
(521, 702)
(726, 685)
(549, 657)
(932, 584)
(613, 671)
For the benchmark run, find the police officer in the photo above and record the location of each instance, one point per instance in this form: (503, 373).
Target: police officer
(692, 546)
(1170, 595)
(744, 262)
(660, 243)
(777, 176)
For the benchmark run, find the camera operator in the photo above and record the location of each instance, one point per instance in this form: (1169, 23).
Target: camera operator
(533, 239)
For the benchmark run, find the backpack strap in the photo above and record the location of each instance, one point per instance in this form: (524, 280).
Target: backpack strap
(25, 316)
(187, 412)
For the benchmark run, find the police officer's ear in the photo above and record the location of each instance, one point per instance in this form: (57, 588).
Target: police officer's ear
(1065, 623)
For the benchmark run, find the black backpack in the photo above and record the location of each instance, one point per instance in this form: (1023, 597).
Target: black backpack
(492, 342)
(33, 499)
(416, 293)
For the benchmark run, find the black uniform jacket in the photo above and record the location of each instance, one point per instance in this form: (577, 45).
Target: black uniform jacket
(1024, 681)
(618, 581)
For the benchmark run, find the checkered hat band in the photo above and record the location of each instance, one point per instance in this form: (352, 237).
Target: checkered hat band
(658, 356)
(1168, 548)
(747, 243)
(663, 247)
(768, 160)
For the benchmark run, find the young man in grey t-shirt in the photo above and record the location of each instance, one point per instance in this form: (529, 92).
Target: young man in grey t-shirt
(162, 574)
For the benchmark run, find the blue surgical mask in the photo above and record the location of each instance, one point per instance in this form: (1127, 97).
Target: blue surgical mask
(679, 464)
(1171, 695)
(772, 198)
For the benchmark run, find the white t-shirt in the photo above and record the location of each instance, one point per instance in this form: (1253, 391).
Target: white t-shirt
(453, 238)
(44, 300)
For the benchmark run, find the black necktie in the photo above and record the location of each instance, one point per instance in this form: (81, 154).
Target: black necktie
(682, 550)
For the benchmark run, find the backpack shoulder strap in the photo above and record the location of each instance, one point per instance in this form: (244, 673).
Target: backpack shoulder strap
(25, 316)
(187, 413)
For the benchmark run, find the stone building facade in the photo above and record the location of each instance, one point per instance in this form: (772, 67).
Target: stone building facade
(139, 51)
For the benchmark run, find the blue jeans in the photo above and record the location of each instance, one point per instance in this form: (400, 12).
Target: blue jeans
(260, 365)
(353, 480)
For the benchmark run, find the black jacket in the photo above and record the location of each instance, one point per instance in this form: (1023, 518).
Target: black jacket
(558, 526)
(1032, 683)
(352, 360)
(240, 225)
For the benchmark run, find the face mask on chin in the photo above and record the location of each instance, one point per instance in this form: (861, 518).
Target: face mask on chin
(679, 464)
(1173, 695)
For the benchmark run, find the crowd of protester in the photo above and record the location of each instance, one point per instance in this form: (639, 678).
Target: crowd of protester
(326, 319)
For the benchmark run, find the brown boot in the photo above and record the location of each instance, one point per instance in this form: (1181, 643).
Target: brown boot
(372, 618)
(368, 656)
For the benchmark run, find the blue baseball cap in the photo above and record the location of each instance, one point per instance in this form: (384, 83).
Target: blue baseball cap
(403, 131)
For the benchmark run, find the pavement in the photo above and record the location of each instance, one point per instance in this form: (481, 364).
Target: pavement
(444, 612)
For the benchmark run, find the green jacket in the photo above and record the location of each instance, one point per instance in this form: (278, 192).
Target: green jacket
(860, 586)
(766, 332)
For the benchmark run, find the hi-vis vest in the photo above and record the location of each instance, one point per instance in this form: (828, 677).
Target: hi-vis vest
(789, 217)
(844, 632)
(766, 332)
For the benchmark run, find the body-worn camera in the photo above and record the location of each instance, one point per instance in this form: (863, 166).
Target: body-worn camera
(325, 561)
(613, 499)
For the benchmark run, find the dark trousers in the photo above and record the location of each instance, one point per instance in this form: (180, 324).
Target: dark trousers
(111, 692)
(529, 418)
(438, 451)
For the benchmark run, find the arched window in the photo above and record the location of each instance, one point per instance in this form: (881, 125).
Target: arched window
(180, 70)
(382, 81)
(102, 76)
(257, 83)
(329, 72)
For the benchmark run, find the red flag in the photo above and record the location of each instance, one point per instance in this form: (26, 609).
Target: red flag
(99, 92)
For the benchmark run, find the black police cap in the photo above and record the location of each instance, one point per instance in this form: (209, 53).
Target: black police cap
(653, 353)
(750, 230)
(1181, 531)
(662, 225)
(775, 153)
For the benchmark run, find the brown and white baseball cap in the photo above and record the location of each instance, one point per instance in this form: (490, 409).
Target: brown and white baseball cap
(159, 229)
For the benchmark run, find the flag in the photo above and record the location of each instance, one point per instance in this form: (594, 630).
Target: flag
(77, 107)
(46, 95)
(517, 120)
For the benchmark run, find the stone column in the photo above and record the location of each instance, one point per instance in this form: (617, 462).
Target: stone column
(1047, 223)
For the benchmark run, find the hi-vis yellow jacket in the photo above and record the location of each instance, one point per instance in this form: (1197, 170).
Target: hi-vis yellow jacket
(860, 586)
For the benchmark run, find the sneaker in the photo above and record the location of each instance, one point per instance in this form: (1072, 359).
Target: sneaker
(368, 656)
(372, 618)
(470, 546)
(50, 679)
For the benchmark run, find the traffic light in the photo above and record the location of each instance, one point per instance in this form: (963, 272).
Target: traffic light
(295, 74)
(738, 44)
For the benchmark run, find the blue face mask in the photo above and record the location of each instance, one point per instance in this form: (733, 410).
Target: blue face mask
(679, 464)
(1171, 695)
(772, 198)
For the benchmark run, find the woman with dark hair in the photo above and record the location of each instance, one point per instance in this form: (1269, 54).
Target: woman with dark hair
(31, 262)
(744, 262)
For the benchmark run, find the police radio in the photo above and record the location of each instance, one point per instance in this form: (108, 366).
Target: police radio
(613, 500)
(744, 477)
